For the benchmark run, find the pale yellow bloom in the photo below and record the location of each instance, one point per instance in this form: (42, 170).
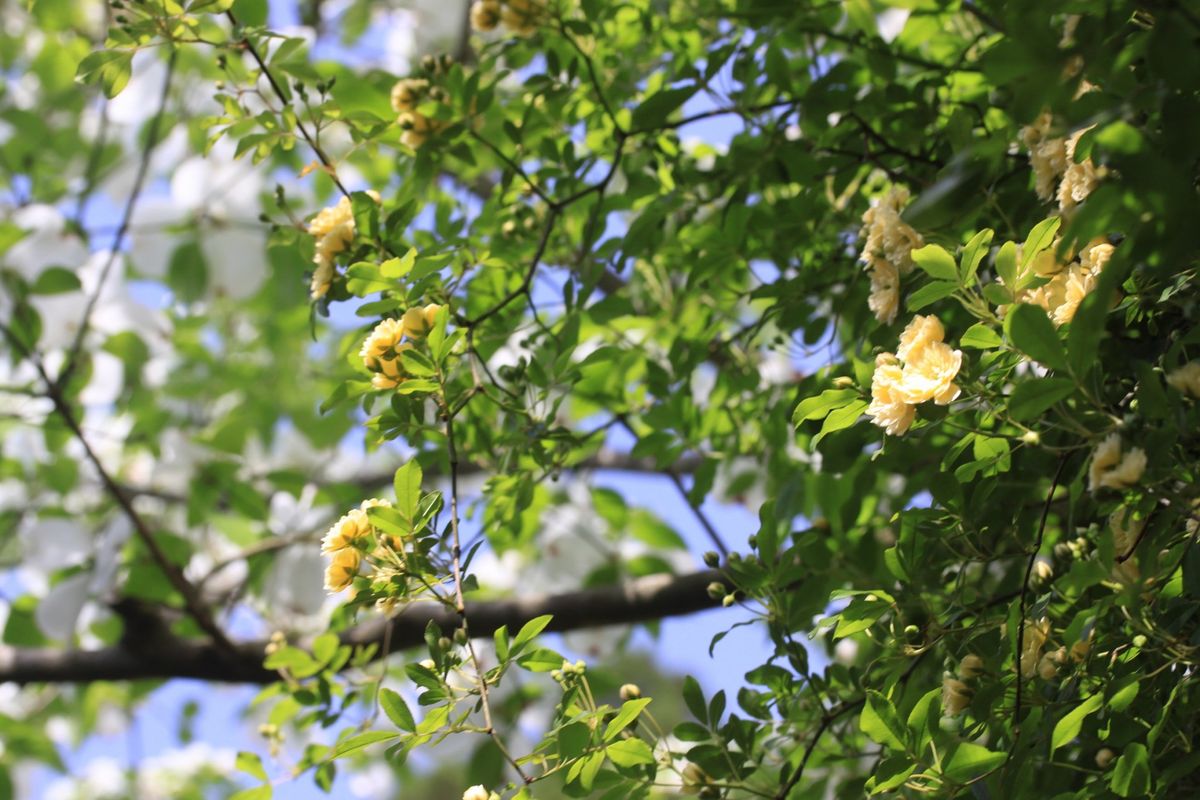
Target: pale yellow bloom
(485, 15)
(1047, 154)
(1069, 283)
(333, 231)
(342, 569)
(970, 667)
(381, 351)
(923, 329)
(521, 16)
(885, 291)
(408, 92)
(1031, 651)
(956, 696)
(1125, 530)
(1079, 180)
(417, 128)
(352, 527)
(929, 375)
(1113, 470)
(477, 792)
(887, 409)
(1186, 379)
(418, 321)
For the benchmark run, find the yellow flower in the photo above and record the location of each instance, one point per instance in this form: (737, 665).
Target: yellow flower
(1078, 180)
(1186, 379)
(1031, 651)
(887, 409)
(887, 235)
(477, 792)
(345, 532)
(1110, 469)
(418, 321)
(521, 16)
(333, 230)
(407, 93)
(929, 375)
(485, 15)
(341, 570)
(922, 330)
(1047, 154)
(956, 696)
(885, 291)
(417, 128)
(1125, 531)
(970, 667)
(381, 354)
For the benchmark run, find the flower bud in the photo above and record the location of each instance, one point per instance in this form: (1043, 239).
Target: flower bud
(716, 590)
(843, 382)
(711, 558)
(728, 600)
(1104, 757)
(630, 691)
(1031, 438)
(970, 667)
(477, 792)
(956, 696)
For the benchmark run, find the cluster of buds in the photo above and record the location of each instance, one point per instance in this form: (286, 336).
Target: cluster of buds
(520, 17)
(274, 737)
(277, 641)
(569, 673)
(381, 350)
(718, 591)
(407, 95)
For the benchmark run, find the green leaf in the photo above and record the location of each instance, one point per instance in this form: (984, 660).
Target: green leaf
(973, 254)
(359, 741)
(936, 262)
(251, 764)
(1031, 332)
(818, 407)
(1131, 774)
(500, 637)
(55, 280)
(1039, 238)
(110, 68)
(1071, 723)
(843, 417)
(397, 710)
(655, 109)
(530, 630)
(1033, 396)
(399, 267)
(255, 793)
(930, 293)
(407, 485)
(1006, 264)
(880, 722)
(541, 659)
(970, 761)
(629, 753)
(628, 713)
(980, 337)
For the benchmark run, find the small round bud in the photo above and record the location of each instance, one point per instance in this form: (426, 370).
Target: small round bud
(716, 590)
(444, 643)
(753, 541)
(477, 792)
(843, 382)
(1104, 757)
(1139, 641)
(460, 636)
(912, 634)
(1031, 438)
(728, 600)
(630, 691)
(711, 558)
(580, 666)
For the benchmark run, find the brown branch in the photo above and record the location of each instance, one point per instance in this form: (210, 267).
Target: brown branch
(649, 598)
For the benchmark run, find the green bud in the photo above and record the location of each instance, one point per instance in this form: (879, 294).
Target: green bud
(711, 558)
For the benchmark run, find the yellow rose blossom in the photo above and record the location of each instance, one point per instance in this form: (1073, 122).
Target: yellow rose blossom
(485, 15)
(1047, 154)
(521, 16)
(922, 330)
(1079, 179)
(1186, 379)
(1031, 650)
(887, 251)
(342, 569)
(887, 410)
(929, 375)
(416, 129)
(956, 696)
(970, 667)
(1125, 531)
(345, 532)
(381, 354)
(407, 93)
(333, 231)
(418, 321)
(1113, 470)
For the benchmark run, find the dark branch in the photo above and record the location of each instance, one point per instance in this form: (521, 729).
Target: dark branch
(640, 600)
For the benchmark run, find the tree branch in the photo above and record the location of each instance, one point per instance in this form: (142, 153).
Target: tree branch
(639, 600)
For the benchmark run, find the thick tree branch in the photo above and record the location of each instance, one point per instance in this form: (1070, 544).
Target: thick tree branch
(652, 597)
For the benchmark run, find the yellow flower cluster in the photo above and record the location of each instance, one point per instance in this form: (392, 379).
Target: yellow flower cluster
(342, 543)
(333, 230)
(1067, 283)
(1031, 647)
(382, 348)
(922, 368)
(956, 694)
(519, 16)
(1110, 469)
(1053, 162)
(407, 95)
(887, 252)
(1186, 379)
